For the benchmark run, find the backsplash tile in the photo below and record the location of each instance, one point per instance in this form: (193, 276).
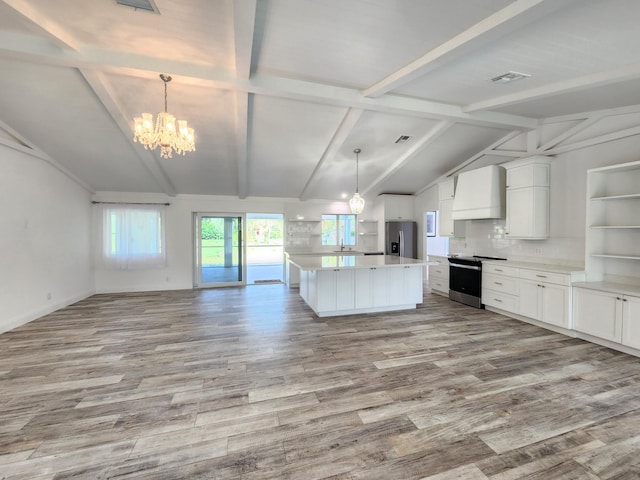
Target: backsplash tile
(486, 237)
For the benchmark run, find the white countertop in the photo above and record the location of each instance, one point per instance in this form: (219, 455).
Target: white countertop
(328, 261)
(544, 267)
(343, 252)
(613, 287)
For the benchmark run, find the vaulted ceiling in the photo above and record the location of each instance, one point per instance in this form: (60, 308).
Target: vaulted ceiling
(280, 92)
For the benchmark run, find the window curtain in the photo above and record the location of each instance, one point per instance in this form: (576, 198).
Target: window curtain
(131, 237)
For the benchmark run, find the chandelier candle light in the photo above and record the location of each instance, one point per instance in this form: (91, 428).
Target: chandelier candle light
(165, 134)
(357, 202)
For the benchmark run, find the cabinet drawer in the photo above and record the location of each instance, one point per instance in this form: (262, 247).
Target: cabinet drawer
(500, 269)
(439, 284)
(541, 276)
(500, 283)
(441, 271)
(500, 300)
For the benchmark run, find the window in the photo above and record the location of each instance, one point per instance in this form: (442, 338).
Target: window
(338, 230)
(132, 237)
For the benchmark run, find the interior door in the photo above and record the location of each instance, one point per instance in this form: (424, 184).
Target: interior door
(219, 250)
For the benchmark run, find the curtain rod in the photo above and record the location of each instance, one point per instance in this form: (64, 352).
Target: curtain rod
(129, 203)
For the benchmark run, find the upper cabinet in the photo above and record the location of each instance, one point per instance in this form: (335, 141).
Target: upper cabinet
(528, 182)
(447, 227)
(613, 223)
(397, 207)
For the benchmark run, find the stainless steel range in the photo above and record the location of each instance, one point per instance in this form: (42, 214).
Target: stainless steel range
(465, 279)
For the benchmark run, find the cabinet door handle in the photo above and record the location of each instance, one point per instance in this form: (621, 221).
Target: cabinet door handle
(618, 298)
(497, 300)
(497, 270)
(624, 299)
(541, 276)
(498, 283)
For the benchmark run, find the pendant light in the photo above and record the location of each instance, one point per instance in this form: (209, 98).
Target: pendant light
(357, 202)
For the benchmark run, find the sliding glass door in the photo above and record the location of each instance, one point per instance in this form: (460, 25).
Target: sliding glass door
(219, 250)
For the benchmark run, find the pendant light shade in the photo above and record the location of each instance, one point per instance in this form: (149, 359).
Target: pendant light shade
(356, 204)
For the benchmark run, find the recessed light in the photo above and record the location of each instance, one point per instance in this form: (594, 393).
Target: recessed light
(510, 76)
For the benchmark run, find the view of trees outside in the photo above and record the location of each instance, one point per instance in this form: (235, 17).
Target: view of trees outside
(337, 229)
(265, 240)
(212, 231)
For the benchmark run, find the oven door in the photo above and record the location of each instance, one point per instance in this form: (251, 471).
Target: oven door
(465, 283)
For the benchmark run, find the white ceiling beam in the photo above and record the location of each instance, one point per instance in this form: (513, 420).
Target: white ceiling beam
(126, 63)
(594, 80)
(243, 118)
(244, 20)
(431, 136)
(105, 94)
(54, 31)
(487, 151)
(586, 123)
(609, 137)
(343, 131)
(513, 16)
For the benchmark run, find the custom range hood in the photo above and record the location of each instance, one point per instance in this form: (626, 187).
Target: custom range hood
(480, 194)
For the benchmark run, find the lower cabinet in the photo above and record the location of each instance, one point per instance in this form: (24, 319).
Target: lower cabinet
(335, 289)
(546, 302)
(539, 295)
(340, 291)
(607, 315)
(439, 275)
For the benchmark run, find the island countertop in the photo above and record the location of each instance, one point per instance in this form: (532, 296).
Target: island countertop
(328, 261)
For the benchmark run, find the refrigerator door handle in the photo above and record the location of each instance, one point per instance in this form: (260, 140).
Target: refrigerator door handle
(401, 243)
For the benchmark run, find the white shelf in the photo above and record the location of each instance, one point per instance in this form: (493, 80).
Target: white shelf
(608, 255)
(368, 234)
(618, 197)
(615, 227)
(302, 221)
(367, 221)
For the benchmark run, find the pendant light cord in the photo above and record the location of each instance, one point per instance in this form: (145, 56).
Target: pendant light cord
(357, 152)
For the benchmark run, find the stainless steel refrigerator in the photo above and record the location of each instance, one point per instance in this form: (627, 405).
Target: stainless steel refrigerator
(401, 238)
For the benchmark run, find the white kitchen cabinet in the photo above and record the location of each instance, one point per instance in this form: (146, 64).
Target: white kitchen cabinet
(528, 198)
(371, 288)
(397, 207)
(598, 313)
(546, 302)
(412, 284)
(631, 321)
(439, 275)
(335, 289)
(447, 227)
(500, 287)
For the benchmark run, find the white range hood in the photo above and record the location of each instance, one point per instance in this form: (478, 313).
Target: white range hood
(480, 194)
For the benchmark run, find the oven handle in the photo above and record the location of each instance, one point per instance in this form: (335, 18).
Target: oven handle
(468, 267)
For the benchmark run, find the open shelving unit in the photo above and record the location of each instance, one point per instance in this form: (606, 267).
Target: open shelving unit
(368, 234)
(613, 223)
(301, 234)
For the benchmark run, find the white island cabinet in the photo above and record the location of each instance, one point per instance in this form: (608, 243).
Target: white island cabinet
(347, 284)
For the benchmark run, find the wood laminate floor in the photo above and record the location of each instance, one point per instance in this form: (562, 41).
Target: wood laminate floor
(247, 383)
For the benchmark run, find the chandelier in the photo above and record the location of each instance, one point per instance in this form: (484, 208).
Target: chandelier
(357, 202)
(165, 134)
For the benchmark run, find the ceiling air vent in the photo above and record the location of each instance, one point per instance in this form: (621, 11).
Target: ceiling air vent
(509, 77)
(146, 5)
(403, 139)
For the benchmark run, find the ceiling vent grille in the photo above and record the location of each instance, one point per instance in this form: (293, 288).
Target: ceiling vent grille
(403, 139)
(146, 5)
(510, 77)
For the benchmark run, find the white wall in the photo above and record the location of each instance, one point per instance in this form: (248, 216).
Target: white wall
(45, 225)
(178, 274)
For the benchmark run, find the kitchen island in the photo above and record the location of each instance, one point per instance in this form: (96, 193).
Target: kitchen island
(348, 284)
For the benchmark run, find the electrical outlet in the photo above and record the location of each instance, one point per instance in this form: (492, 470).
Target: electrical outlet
(538, 251)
